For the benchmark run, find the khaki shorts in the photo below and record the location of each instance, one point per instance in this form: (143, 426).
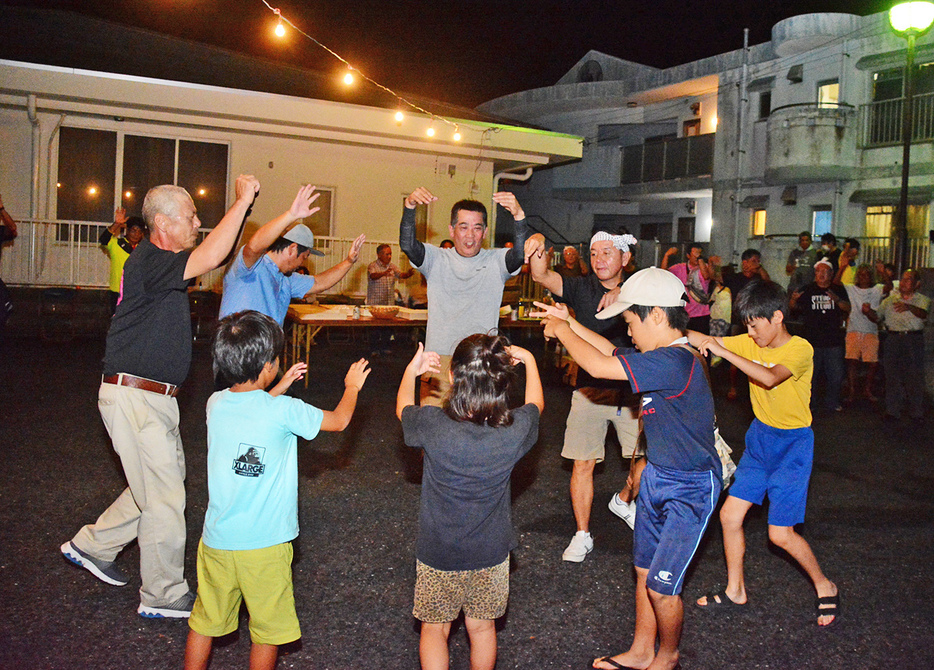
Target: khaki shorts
(592, 410)
(260, 577)
(440, 595)
(862, 347)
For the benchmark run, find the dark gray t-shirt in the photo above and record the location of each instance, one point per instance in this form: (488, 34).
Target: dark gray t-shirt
(150, 334)
(465, 517)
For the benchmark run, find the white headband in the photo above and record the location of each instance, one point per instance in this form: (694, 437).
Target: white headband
(621, 242)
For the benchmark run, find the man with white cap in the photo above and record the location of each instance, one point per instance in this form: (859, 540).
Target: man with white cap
(824, 308)
(596, 403)
(262, 276)
(682, 482)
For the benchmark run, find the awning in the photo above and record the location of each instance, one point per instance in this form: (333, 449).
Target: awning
(754, 201)
(917, 195)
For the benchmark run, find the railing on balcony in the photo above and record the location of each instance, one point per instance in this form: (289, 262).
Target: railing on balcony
(668, 159)
(881, 122)
(66, 253)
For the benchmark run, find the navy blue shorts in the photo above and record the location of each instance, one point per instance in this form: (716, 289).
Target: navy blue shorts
(672, 512)
(777, 462)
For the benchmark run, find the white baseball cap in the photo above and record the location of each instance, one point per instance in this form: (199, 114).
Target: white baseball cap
(301, 234)
(652, 287)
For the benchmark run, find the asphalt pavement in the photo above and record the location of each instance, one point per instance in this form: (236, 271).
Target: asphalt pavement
(869, 522)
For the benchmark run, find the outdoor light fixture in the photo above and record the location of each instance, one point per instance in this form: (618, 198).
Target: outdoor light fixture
(348, 78)
(92, 191)
(399, 117)
(909, 20)
(431, 130)
(457, 134)
(280, 29)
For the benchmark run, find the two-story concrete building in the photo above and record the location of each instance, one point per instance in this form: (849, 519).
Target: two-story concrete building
(743, 149)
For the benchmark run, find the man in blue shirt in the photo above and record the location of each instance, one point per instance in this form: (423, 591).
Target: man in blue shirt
(263, 276)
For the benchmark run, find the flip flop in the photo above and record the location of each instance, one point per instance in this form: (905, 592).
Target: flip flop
(828, 606)
(616, 666)
(720, 602)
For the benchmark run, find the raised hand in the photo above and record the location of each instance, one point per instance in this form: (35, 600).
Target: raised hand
(420, 196)
(301, 206)
(557, 311)
(357, 374)
(508, 200)
(354, 252)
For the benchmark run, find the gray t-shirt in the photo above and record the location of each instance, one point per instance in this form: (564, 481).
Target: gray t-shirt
(464, 294)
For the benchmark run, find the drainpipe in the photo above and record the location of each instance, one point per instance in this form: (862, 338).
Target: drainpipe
(741, 114)
(514, 177)
(36, 145)
(48, 164)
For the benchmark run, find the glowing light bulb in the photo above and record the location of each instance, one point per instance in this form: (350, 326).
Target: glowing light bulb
(202, 191)
(280, 29)
(92, 190)
(128, 195)
(431, 131)
(457, 134)
(399, 117)
(348, 78)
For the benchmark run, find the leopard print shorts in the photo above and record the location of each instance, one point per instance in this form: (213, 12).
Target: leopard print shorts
(440, 595)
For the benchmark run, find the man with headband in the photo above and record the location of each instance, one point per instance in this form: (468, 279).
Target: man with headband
(595, 402)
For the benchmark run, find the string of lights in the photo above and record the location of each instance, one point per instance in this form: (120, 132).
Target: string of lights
(349, 78)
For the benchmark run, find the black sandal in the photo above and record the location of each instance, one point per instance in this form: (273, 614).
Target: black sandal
(829, 606)
(720, 602)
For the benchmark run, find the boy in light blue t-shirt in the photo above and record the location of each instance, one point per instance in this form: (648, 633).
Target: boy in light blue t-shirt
(245, 553)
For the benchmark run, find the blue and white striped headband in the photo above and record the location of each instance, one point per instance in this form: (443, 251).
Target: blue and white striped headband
(621, 242)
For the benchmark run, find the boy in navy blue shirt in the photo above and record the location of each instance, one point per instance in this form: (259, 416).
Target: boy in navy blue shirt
(681, 483)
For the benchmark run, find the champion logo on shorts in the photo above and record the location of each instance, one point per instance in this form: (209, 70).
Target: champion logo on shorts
(664, 576)
(250, 461)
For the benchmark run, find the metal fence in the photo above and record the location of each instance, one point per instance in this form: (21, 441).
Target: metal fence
(881, 121)
(66, 253)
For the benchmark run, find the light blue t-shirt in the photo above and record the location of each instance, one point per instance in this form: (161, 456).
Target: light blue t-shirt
(262, 287)
(253, 468)
(464, 295)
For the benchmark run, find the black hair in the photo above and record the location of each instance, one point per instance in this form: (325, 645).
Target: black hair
(749, 253)
(828, 238)
(381, 247)
(852, 242)
(805, 233)
(450, 243)
(760, 299)
(467, 206)
(482, 376)
(677, 316)
(695, 245)
(136, 222)
(283, 243)
(244, 343)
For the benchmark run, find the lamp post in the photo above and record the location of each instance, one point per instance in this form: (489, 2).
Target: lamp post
(908, 20)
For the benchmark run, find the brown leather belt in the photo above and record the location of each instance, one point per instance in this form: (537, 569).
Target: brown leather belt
(124, 379)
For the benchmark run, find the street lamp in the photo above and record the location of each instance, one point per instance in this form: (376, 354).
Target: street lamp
(909, 20)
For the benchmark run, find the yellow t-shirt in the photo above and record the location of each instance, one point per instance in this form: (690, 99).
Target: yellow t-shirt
(788, 404)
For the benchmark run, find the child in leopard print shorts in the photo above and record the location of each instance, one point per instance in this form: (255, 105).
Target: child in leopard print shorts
(465, 521)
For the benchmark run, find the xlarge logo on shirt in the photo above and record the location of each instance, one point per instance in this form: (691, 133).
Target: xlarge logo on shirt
(249, 463)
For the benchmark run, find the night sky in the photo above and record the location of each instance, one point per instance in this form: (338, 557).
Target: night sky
(464, 51)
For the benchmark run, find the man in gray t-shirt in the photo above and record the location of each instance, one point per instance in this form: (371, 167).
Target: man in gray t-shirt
(465, 284)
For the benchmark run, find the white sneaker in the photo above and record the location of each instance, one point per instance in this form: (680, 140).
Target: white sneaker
(581, 545)
(624, 510)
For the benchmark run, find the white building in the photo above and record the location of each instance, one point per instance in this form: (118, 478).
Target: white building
(744, 149)
(78, 143)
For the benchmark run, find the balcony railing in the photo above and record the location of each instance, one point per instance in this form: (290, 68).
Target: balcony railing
(881, 121)
(66, 253)
(668, 159)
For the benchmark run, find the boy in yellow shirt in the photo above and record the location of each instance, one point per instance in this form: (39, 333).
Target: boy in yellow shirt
(779, 443)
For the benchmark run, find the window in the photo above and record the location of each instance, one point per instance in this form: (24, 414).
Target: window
(321, 221)
(87, 173)
(765, 104)
(758, 222)
(87, 161)
(887, 84)
(880, 219)
(821, 220)
(828, 93)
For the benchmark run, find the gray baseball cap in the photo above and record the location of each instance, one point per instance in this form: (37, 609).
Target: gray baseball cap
(301, 234)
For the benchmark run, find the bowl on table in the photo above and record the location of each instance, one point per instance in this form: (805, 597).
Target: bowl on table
(383, 311)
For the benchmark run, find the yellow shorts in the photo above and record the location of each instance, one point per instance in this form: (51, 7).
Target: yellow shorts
(862, 347)
(260, 577)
